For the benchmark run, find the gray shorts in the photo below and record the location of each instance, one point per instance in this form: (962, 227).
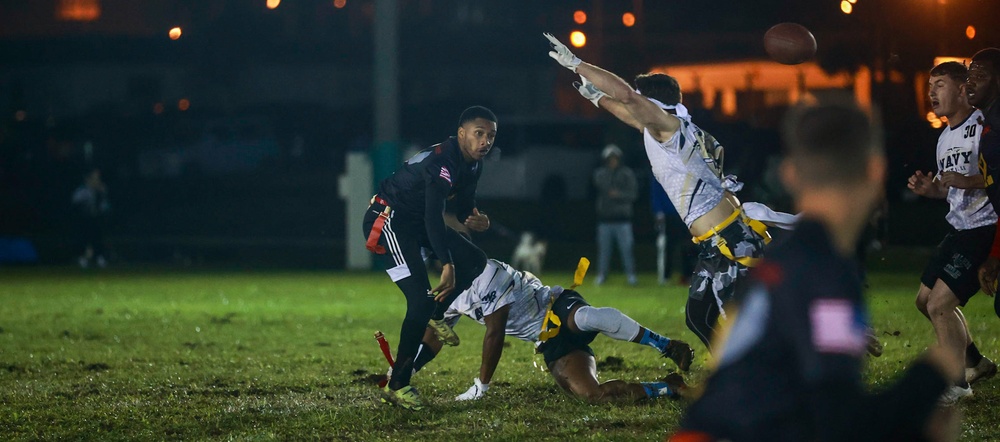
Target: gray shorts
(715, 274)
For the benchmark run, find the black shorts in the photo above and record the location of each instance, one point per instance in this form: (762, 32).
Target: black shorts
(566, 341)
(956, 261)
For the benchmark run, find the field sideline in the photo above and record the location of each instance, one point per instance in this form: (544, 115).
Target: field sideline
(148, 355)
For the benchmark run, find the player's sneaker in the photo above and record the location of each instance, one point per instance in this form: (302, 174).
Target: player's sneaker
(444, 332)
(406, 397)
(985, 369)
(679, 352)
(953, 394)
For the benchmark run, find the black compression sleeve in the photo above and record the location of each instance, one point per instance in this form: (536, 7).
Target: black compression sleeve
(436, 194)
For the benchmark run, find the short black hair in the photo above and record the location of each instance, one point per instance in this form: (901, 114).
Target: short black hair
(476, 112)
(990, 55)
(661, 87)
(830, 143)
(953, 69)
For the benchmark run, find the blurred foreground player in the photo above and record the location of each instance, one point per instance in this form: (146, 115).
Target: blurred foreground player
(791, 367)
(406, 219)
(515, 303)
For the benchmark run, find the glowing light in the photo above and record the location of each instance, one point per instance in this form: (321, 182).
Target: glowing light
(931, 116)
(853, 1)
(846, 7)
(158, 108)
(339, 3)
(20, 115)
(183, 104)
(580, 17)
(78, 10)
(970, 32)
(271, 4)
(577, 39)
(175, 33)
(628, 19)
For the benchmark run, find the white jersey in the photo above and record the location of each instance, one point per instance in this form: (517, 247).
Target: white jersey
(500, 285)
(689, 167)
(958, 151)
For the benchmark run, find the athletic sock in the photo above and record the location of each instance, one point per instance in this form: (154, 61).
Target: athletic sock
(657, 389)
(654, 340)
(972, 355)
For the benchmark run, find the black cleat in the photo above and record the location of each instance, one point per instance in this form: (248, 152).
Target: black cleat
(679, 352)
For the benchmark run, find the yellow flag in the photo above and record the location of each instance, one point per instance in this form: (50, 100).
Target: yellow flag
(581, 271)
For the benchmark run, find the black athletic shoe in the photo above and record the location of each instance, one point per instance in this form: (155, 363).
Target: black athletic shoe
(679, 352)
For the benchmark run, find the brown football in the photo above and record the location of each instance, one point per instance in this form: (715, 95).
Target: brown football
(789, 43)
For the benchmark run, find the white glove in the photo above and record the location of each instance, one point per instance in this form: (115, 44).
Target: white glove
(476, 391)
(589, 91)
(562, 54)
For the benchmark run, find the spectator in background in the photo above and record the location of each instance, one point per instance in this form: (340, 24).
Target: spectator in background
(616, 192)
(91, 208)
(672, 237)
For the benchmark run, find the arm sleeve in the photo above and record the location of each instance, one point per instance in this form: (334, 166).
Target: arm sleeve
(436, 194)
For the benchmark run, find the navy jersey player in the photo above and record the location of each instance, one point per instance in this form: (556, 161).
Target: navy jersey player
(405, 224)
(950, 279)
(791, 369)
(515, 303)
(983, 90)
(687, 162)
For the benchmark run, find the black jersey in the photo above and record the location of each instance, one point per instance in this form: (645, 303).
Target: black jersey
(791, 368)
(989, 152)
(419, 189)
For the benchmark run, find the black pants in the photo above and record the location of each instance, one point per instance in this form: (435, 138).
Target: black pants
(405, 241)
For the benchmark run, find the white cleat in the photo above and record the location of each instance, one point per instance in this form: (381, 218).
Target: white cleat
(954, 394)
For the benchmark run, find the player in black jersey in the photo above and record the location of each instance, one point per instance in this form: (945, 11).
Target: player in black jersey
(983, 90)
(791, 367)
(406, 221)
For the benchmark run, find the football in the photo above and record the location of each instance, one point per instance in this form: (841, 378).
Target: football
(789, 43)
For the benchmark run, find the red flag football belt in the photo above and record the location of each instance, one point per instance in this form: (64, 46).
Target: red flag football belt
(372, 245)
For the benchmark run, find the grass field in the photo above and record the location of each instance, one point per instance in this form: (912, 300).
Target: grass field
(144, 355)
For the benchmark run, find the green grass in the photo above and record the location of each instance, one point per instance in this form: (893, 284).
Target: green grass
(143, 355)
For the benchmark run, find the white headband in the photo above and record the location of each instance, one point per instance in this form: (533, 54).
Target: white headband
(678, 108)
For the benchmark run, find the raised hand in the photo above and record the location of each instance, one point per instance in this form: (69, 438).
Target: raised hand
(562, 54)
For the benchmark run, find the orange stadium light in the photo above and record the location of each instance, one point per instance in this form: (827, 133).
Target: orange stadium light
(174, 33)
(577, 39)
(628, 19)
(846, 7)
(339, 4)
(272, 4)
(579, 17)
(970, 32)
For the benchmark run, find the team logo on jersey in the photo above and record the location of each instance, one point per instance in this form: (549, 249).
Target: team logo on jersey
(446, 174)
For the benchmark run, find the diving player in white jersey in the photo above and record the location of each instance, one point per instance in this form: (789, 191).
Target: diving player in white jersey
(687, 162)
(950, 278)
(515, 303)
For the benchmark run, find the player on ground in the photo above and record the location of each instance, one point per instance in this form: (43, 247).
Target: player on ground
(950, 279)
(406, 219)
(983, 90)
(516, 303)
(687, 162)
(791, 369)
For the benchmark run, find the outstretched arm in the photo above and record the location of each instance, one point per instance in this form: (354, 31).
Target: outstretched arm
(644, 112)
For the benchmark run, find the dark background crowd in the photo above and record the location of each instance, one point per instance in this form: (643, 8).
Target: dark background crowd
(221, 141)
